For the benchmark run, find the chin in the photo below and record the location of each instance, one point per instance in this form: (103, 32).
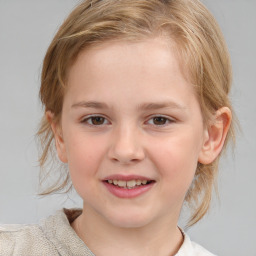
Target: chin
(129, 220)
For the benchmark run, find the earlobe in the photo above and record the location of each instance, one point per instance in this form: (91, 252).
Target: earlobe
(215, 136)
(58, 137)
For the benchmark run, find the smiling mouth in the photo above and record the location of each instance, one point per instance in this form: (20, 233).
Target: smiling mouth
(130, 184)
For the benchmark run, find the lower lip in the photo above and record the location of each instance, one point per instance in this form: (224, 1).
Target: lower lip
(128, 193)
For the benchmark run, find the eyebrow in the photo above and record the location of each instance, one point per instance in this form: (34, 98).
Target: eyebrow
(90, 104)
(144, 106)
(160, 105)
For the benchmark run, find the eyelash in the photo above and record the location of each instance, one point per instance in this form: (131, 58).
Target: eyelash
(165, 119)
(86, 120)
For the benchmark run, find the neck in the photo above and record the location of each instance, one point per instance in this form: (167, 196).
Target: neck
(159, 238)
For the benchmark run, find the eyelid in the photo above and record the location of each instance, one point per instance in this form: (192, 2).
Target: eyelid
(168, 118)
(86, 118)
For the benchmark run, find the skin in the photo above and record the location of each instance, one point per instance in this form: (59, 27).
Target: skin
(126, 77)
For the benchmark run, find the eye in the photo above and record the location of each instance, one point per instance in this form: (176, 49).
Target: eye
(160, 120)
(95, 120)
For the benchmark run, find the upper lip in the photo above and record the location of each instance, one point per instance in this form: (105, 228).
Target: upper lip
(126, 177)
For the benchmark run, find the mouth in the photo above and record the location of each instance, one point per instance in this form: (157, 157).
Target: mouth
(129, 184)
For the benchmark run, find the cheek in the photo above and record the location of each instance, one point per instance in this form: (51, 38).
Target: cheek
(176, 160)
(84, 155)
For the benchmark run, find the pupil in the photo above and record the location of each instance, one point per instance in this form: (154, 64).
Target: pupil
(97, 120)
(159, 120)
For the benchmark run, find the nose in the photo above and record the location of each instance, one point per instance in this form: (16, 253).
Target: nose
(126, 146)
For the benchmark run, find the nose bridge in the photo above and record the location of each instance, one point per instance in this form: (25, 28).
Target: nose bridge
(126, 145)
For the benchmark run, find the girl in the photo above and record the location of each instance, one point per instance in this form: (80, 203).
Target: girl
(136, 104)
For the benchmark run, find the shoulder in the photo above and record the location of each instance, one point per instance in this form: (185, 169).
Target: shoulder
(190, 248)
(53, 236)
(24, 240)
(200, 251)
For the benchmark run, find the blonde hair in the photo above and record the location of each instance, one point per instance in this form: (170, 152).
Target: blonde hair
(201, 47)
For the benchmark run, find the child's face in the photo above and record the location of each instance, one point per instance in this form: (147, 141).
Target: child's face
(129, 114)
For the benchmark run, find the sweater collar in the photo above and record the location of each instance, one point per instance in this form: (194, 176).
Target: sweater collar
(59, 232)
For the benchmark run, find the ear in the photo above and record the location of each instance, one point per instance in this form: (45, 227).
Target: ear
(215, 136)
(57, 131)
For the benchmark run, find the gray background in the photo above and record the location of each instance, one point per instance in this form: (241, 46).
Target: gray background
(26, 29)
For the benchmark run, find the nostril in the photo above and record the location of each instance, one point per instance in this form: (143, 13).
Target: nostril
(125, 155)
(126, 149)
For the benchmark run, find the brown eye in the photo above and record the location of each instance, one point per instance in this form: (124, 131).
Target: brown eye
(159, 120)
(97, 120)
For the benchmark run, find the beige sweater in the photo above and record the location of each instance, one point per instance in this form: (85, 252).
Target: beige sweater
(55, 236)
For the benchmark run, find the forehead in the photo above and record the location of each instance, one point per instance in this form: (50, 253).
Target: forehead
(158, 52)
(118, 72)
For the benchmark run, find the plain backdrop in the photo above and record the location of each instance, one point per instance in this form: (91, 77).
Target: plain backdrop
(26, 29)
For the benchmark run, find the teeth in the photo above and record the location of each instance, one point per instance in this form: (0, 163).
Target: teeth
(121, 183)
(138, 182)
(131, 183)
(128, 184)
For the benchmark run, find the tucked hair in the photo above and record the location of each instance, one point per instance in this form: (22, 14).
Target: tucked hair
(201, 48)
